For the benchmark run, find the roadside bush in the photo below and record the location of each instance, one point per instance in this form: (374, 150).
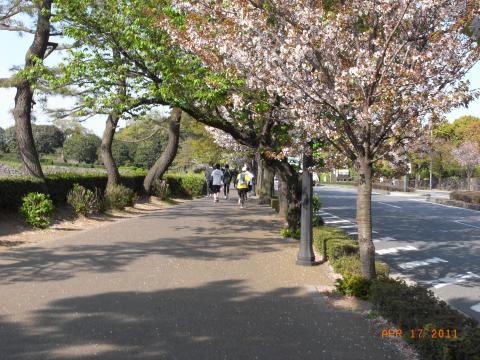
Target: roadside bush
(324, 234)
(317, 220)
(119, 197)
(289, 233)
(354, 285)
(316, 203)
(37, 209)
(83, 200)
(414, 307)
(472, 197)
(351, 266)
(161, 189)
(185, 185)
(338, 248)
(13, 188)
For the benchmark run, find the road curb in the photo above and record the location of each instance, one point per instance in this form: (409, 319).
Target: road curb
(455, 203)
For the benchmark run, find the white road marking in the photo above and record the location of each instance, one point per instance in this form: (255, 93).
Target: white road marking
(347, 226)
(356, 232)
(396, 249)
(386, 238)
(459, 222)
(448, 280)
(476, 307)
(394, 206)
(336, 221)
(414, 264)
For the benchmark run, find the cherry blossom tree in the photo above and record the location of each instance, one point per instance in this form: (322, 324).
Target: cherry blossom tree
(362, 75)
(468, 155)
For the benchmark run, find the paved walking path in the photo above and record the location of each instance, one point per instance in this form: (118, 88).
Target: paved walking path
(195, 281)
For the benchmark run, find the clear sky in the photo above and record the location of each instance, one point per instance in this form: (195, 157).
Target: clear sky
(14, 48)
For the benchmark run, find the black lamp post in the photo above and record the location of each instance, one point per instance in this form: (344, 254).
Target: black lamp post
(306, 256)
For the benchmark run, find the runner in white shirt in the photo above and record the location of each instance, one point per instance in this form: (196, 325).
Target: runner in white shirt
(217, 182)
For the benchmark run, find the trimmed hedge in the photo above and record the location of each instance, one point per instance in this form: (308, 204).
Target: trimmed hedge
(407, 307)
(342, 252)
(185, 185)
(414, 307)
(471, 197)
(12, 189)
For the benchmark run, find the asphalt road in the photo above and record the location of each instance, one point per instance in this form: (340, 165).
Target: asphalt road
(432, 244)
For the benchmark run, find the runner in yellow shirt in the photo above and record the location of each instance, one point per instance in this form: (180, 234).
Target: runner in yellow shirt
(242, 186)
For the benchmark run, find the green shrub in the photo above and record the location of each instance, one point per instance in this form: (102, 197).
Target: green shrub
(354, 285)
(317, 220)
(119, 197)
(13, 188)
(185, 185)
(339, 248)
(285, 232)
(351, 266)
(414, 307)
(160, 189)
(83, 200)
(316, 203)
(37, 209)
(324, 234)
(290, 233)
(472, 197)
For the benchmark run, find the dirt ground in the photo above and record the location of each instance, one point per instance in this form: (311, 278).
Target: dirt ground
(14, 232)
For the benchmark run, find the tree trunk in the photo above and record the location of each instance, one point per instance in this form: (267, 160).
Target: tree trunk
(24, 96)
(266, 189)
(290, 192)
(282, 198)
(364, 218)
(265, 180)
(168, 155)
(260, 167)
(106, 149)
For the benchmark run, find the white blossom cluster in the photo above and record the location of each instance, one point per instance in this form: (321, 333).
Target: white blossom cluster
(362, 74)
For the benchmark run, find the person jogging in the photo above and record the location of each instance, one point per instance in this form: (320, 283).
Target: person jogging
(217, 182)
(208, 180)
(227, 178)
(242, 186)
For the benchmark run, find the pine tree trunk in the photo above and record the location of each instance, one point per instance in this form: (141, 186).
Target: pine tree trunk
(168, 155)
(24, 96)
(106, 149)
(364, 218)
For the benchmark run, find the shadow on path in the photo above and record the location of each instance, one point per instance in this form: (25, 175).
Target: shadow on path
(207, 233)
(218, 320)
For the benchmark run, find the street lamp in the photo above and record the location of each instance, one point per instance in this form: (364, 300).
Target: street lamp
(306, 256)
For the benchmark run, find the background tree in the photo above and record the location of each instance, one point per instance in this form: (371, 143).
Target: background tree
(82, 148)
(47, 138)
(468, 155)
(26, 79)
(3, 142)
